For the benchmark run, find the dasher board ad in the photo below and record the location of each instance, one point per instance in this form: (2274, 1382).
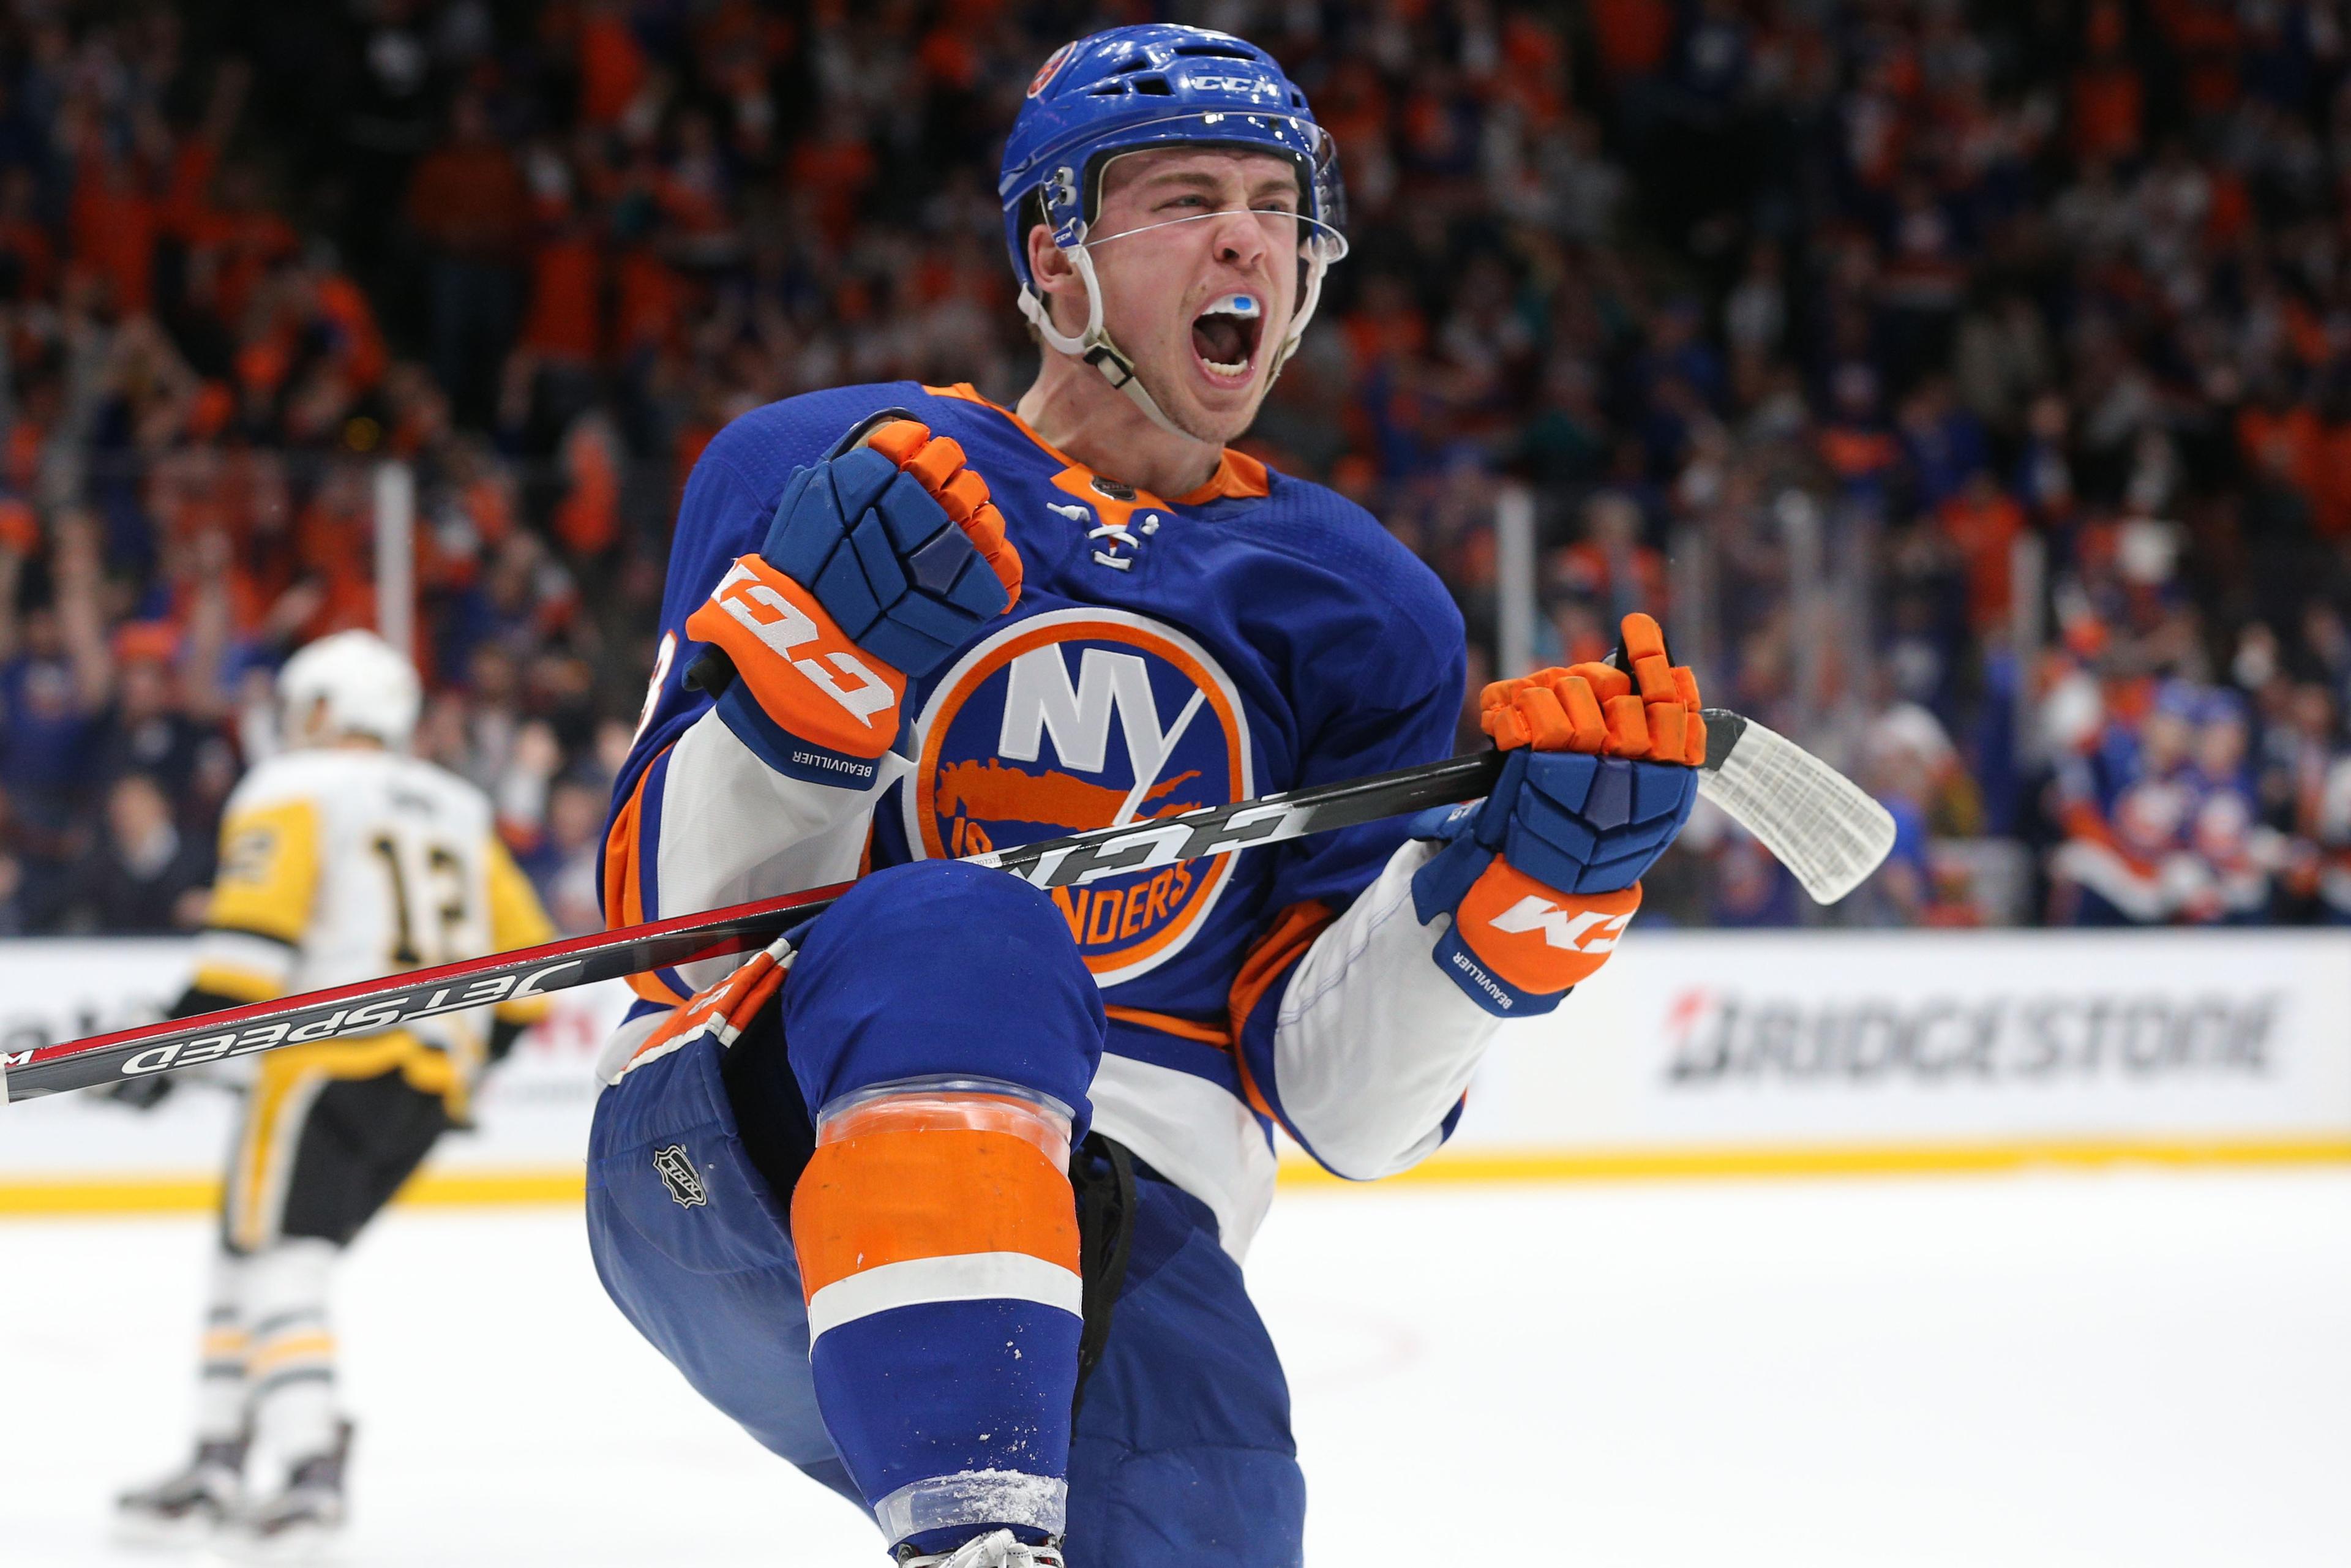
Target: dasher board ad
(530, 1114)
(1684, 1043)
(1818, 1038)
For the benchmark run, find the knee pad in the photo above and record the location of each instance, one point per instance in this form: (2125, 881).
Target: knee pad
(940, 970)
(936, 1189)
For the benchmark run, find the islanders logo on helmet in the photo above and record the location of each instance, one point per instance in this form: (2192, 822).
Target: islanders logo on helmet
(1086, 718)
(1045, 72)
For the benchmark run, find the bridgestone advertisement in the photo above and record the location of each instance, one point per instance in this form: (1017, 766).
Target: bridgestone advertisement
(1698, 1052)
(1811, 1039)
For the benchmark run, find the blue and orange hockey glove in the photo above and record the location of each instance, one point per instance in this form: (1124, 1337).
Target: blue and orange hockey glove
(882, 559)
(1542, 876)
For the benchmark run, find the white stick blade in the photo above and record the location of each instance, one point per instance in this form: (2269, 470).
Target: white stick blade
(1815, 821)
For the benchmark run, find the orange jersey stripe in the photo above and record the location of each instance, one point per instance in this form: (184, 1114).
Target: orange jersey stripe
(624, 890)
(654, 988)
(1238, 477)
(1274, 955)
(1294, 931)
(895, 1195)
(1168, 1023)
(624, 901)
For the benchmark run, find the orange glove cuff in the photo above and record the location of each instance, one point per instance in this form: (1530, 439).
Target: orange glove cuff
(1537, 939)
(801, 669)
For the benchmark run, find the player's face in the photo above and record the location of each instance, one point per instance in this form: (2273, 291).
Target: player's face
(1197, 253)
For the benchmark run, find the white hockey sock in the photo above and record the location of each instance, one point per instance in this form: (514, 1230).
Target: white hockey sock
(290, 1358)
(220, 1377)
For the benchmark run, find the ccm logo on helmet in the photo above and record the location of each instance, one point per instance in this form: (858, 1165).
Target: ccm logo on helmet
(1244, 85)
(1589, 932)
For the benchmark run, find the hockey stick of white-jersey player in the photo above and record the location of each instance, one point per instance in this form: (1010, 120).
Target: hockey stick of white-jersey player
(1818, 822)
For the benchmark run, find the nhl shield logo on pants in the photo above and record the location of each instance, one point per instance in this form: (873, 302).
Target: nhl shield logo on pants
(678, 1175)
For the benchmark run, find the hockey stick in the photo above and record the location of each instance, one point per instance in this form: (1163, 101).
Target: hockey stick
(1798, 806)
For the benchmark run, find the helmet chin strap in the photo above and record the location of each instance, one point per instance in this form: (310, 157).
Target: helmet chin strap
(1094, 345)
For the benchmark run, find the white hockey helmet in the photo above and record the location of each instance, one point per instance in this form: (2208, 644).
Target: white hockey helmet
(366, 686)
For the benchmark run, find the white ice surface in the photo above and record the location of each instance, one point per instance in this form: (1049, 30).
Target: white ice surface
(2142, 1369)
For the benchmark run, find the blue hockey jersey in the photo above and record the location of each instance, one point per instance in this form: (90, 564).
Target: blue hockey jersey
(1260, 633)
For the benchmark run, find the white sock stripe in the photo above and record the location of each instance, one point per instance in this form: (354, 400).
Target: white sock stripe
(960, 1277)
(279, 1325)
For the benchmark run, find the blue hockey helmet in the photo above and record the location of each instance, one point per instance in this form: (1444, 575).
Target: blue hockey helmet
(1157, 84)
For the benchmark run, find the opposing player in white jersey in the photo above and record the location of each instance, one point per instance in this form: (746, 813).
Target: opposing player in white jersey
(341, 859)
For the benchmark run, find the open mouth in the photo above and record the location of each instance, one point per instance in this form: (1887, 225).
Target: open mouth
(1225, 336)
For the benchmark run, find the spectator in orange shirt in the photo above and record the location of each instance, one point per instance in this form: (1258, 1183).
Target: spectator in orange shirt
(113, 224)
(2109, 103)
(567, 281)
(612, 68)
(1982, 522)
(2332, 481)
(2279, 434)
(469, 202)
(1609, 566)
(1632, 35)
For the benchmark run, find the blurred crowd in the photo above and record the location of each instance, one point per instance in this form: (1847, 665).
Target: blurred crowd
(1967, 384)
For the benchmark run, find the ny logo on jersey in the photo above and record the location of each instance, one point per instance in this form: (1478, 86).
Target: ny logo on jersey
(1040, 700)
(678, 1175)
(1082, 719)
(1575, 933)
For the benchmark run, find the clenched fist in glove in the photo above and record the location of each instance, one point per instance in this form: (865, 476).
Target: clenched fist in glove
(882, 559)
(1542, 875)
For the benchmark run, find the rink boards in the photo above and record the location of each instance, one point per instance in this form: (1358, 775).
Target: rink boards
(1697, 1053)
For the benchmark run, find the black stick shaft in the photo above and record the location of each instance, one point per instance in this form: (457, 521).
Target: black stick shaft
(373, 1006)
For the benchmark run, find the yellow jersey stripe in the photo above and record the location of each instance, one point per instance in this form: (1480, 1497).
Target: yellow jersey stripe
(268, 870)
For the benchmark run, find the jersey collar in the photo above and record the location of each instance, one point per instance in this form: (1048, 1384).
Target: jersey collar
(1238, 477)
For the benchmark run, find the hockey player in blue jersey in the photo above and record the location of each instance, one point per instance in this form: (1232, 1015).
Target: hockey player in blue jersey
(944, 1197)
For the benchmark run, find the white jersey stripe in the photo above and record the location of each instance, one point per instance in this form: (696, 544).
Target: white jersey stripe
(961, 1277)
